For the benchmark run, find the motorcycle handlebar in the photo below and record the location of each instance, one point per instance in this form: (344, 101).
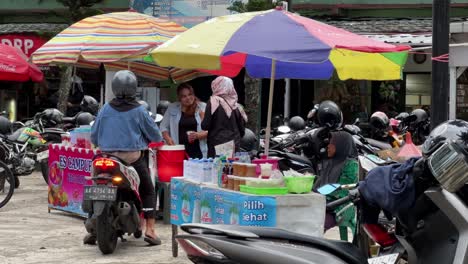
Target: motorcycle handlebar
(352, 196)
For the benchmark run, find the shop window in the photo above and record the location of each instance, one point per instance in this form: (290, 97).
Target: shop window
(352, 96)
(418, 90)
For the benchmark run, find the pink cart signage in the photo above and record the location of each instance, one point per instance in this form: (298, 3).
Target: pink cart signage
(68, 168)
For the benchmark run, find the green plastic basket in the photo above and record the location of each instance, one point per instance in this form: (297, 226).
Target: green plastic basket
(264, 191)
(301, 184)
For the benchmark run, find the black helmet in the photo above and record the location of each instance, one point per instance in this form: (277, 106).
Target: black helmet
(329, 114)
(379, 120)
(402, 116)
(452, 130)
(248, 141)
(297, 123)
(5, 126)
(84, 118)
(90, 105)
(52, 116)
(145, 105)
(162, 107)
(421, 116)
(124, 84)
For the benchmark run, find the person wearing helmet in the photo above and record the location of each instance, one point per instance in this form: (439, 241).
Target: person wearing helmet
(341, 147)
(90, 105)
(297, 123)
(124, 128)
(162, 107)
(75, 97)
(329, 115)
(181, 123)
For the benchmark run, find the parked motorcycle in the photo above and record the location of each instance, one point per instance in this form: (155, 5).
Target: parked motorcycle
(260, 245)
(21, 150)
(113, 201)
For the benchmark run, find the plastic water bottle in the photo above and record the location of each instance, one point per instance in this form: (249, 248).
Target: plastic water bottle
(206, 170)
(197, 170)
(214, 171)
(186, 164)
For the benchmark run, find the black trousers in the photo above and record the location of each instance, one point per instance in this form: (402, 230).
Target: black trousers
(147, 188)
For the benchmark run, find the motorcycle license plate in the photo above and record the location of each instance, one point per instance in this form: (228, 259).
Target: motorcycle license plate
(43, 155)
(387, 259)
(100, 193)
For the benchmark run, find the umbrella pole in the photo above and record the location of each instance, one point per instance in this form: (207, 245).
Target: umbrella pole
(270, 106)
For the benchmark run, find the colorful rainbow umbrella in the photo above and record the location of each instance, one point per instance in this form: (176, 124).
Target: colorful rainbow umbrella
(110, 39)
(303, 48)
(277, 44)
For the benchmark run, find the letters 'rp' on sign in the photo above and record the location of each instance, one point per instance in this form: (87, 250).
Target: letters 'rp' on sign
(26, 43)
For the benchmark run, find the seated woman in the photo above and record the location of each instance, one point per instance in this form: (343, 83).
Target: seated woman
(182, 123)
(340, 167)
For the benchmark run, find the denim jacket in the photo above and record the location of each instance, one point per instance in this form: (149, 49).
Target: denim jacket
(124, 131)
(171, 121)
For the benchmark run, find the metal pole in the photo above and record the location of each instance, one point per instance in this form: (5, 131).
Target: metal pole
(453, 93)
(440, 70)
(270, 106)
(287, 98)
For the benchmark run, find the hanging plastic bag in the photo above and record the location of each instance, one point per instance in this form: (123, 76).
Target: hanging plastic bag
(409, 150)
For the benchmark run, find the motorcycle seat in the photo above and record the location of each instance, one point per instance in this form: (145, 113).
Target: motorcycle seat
(290, 156)
(346, 251)
(379, 144)
(68, 119)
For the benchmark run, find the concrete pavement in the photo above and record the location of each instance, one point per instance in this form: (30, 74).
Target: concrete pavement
(29, 234)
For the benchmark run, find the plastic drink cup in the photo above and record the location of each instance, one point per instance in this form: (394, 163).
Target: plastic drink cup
(266, 170)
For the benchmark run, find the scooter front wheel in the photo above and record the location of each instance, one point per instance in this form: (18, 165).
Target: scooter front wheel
(106, 234)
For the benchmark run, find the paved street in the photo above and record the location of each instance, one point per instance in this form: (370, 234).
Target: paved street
(29, 234)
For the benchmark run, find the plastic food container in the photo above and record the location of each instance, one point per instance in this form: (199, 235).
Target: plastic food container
(264, 191)
(300, 184)
(263, 183)
(273, 161)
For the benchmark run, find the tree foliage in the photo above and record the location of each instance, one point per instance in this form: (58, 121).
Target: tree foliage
(250, 6)
(76, 11)
(80, 9)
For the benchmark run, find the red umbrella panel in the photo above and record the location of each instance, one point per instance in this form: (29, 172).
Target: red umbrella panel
(14, 66)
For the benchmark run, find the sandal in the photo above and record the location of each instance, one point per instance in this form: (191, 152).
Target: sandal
(156, 241)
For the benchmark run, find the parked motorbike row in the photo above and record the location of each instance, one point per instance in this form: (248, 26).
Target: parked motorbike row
(432, 229)
(23, 145)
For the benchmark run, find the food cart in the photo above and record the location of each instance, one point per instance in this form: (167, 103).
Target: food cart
(193, 201)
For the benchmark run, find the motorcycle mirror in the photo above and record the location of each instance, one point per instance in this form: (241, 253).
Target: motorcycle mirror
(357, 121)
(329, 188)
(284, 129)
(311, 113)
(159, 118)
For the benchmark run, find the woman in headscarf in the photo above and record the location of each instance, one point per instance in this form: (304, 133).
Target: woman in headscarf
(340, 150)
(224, 117)
(340, 167)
